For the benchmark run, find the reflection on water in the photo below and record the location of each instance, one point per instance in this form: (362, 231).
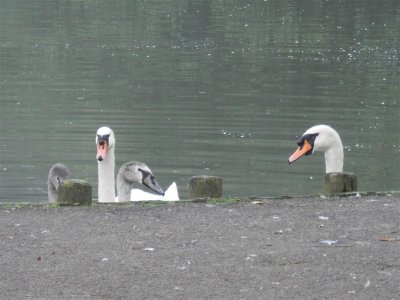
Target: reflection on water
(197, 87)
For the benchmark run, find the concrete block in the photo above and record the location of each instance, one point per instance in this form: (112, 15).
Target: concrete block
(338, 183)
(205, 187)
(75, 192)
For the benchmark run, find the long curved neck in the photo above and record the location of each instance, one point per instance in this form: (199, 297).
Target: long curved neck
(106, 187)
(52, 193)
(334, 159)
(123, 189)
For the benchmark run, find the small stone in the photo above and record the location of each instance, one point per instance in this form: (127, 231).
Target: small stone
(149, 249)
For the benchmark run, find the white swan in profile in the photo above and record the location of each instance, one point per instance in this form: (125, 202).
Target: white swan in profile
(57, 174)
(324, 139)
(129, 173)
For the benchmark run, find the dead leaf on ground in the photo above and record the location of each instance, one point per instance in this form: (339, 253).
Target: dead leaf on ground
(388, 239)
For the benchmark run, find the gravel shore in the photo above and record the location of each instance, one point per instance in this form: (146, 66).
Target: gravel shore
(305, 248)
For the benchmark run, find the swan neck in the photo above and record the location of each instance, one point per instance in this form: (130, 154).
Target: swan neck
(52, 193)
(123, 189)
(106, 176)
(334, 159)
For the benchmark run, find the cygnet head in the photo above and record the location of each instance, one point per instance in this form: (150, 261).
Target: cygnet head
(135, 172)
(57, 174)
(105, 141)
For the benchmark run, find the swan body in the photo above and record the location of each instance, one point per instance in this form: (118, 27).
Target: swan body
(324, 139)
(57, 174)
(171, 194)
(129, 173)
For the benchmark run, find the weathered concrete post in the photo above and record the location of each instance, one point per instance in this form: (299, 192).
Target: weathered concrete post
(75, 192)
(337, 183)
(205, 187)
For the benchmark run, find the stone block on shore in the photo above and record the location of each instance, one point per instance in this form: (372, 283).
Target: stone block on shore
(205, 187)
(75, 192)
(339, 183)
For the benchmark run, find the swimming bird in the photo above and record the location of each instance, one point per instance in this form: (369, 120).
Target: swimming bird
(128, 174)
(57, 174)
(325, 139)
(135, 172)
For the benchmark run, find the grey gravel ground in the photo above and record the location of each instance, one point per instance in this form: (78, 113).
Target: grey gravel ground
(308, 248)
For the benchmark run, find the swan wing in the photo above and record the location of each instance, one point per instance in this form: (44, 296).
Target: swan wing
(171, 194)
(140, 195)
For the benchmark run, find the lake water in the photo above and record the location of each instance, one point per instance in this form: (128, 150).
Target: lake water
(219, 88)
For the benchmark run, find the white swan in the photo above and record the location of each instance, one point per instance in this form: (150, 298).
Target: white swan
(324, 139)
(128, 174)
(57, 174)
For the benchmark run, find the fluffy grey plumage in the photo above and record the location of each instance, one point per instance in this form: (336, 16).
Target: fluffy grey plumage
(57, 174)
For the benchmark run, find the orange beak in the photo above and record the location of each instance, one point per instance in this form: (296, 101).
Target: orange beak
(102, 147)
(302, 150)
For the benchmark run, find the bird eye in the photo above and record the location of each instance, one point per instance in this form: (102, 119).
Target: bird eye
(300, 142)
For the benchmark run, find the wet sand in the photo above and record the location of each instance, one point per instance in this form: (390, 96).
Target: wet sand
(306, 248)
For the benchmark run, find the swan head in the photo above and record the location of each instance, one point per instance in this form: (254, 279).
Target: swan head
(135, 171)
(318, 138)
(105, 141)
(148, 180)
(57, 174)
